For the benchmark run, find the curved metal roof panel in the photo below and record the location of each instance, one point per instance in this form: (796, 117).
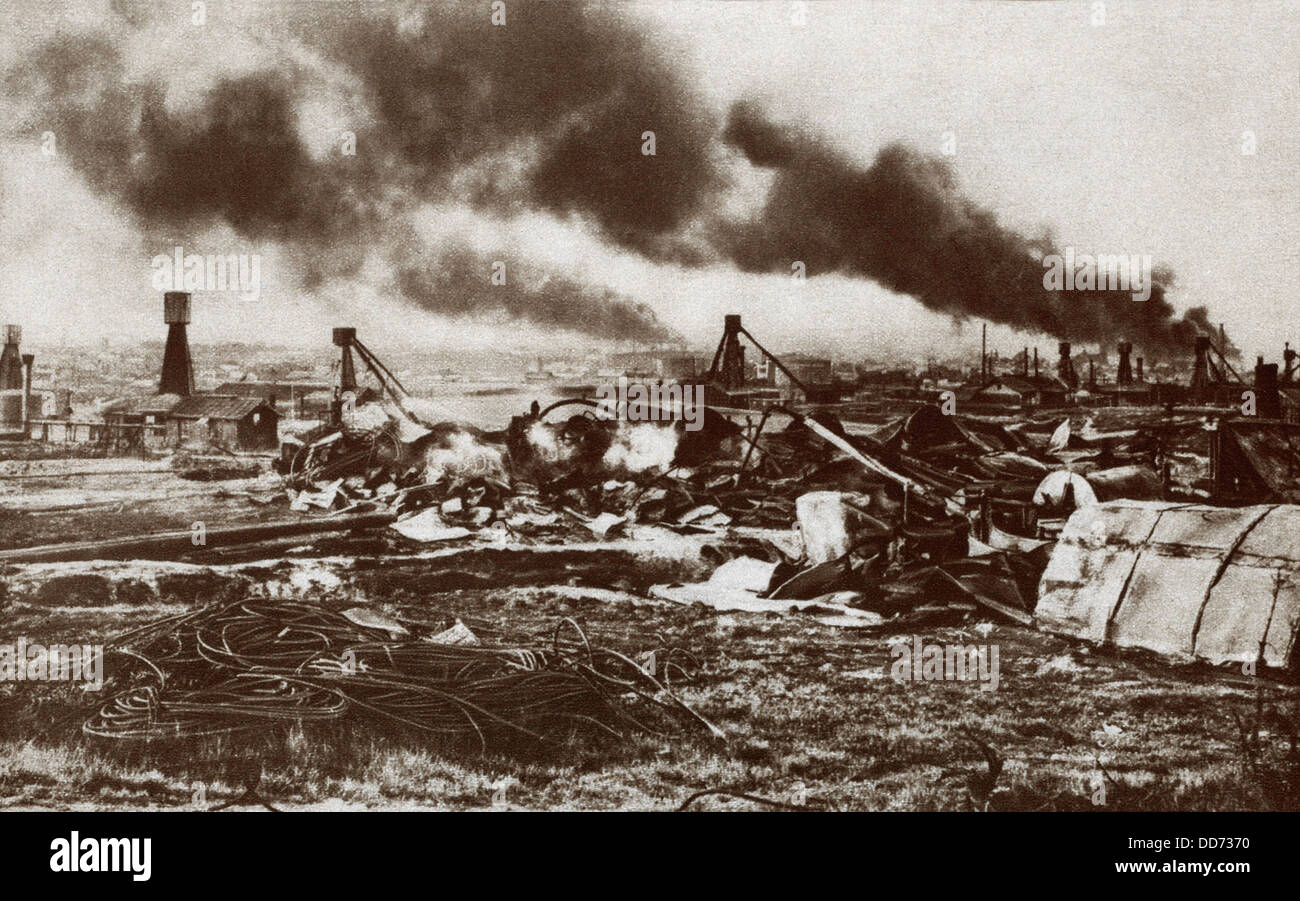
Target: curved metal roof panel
(1187, 580)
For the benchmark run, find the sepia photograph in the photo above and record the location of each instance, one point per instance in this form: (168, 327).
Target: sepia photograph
(674, 406)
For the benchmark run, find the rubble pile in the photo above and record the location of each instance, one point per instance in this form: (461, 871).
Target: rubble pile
(862, 525)
(927, 515)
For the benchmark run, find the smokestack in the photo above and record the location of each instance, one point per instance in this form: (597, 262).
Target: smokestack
(178, 367)
(1035, 362)
(28, 360)
(1092, 375)
(984, 353)
(1124, 375)
(1025, 363)
(11, 364)
(1139, 370)
(1065, 366)
(1288, 363)
(1268, 401)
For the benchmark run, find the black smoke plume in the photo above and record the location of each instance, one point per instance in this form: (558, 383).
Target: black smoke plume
(903, 223)
(546, 114)
(562, 95)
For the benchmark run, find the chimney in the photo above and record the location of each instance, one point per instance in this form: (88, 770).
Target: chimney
(1124, 375)
(1288, 363)
(1065, 366)
(11, 363)
(28, 360)
(1025, 362)
(1268, 401)
(177, 367)
(984, 353)
(1035, 362)
(1139, 369)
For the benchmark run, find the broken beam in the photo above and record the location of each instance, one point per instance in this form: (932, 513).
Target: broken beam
(910, 485)
(170, 545)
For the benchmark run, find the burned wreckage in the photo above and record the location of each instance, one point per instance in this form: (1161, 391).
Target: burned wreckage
(1161, 531)
(1137, 529)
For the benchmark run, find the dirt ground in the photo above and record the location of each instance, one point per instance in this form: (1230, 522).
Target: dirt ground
(51, 501)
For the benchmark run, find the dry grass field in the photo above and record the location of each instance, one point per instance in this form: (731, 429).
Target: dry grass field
(812, 716)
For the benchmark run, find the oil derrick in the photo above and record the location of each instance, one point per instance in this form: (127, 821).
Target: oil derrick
(727, 371)
(728, 368)
(1065, 366)
(1209, 378)
(1204, 372)
(178, 367)
(1124, 375)
(344, 338)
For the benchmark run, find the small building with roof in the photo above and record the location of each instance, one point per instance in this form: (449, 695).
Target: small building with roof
(229, 421)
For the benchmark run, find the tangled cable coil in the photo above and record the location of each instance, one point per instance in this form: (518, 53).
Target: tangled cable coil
(243, 665)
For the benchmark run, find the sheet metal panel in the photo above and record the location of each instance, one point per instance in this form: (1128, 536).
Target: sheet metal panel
(1160, 609)
(1231, 627)
(1186, 581)
(1189, 528)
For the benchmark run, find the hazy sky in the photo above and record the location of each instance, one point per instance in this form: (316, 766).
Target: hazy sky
(1125, 137)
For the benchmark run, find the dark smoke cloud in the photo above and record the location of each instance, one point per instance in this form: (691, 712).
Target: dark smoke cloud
(77, 88)
(545, 114)
(459, 284)
(562, 92)
(235, 158)
(569, 89)
(903, 223)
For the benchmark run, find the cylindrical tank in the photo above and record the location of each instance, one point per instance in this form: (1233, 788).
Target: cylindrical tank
(176, 308)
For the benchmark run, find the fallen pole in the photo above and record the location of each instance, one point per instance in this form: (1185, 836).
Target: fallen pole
(170, 545)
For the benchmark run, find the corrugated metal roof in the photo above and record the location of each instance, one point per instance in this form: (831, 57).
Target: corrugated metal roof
(216, 406)
(1209, 583)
